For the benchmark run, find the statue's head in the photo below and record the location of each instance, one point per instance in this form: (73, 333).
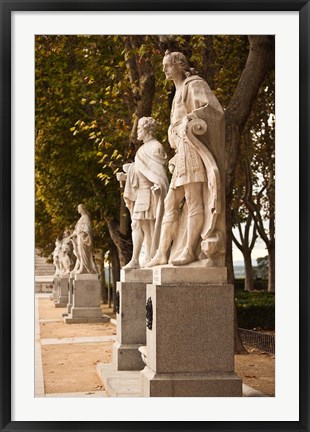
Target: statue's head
(146, 127)
(179, 60)
(82, 209)
(148, 124)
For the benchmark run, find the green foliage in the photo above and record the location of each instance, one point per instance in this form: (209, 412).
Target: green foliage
(255, 310)
(263, 266)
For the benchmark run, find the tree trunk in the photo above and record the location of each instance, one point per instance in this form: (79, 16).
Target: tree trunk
(122, 243)
(249, 280)
(115, 272)
(271, 270)
(103, 293)
(260, 60)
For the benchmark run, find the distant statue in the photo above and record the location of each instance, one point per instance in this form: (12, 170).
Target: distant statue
(82, 238)
(193, 226)
(68, 258)
(56, 257)
(146, 185)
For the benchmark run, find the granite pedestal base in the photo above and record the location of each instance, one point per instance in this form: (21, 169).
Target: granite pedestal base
(86, 300)
(130, 319)
(62, 300)
(190, 341)
(55, 292)
(70, 296)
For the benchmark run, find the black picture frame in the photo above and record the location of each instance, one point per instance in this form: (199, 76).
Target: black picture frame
(7, 7)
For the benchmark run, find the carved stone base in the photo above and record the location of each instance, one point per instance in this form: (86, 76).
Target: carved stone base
(55, 292)
(130, 319)
(126, 357)
(190, 385)
(196, 272)
(70, 295)
(86, 301)
(62, 300)
(190, 341)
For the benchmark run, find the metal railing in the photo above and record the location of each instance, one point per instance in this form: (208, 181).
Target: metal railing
(261, 341)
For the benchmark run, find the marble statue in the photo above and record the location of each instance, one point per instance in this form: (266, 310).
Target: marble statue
(68, 258)
(146, 185)
(56, 257)
(193, 226)
(82, 238)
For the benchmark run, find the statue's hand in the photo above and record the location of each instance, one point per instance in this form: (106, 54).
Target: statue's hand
(171, 164)
(155, 188)
(121, 176)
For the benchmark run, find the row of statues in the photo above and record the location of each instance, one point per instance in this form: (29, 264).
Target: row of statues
(181, 222)
(73, 253)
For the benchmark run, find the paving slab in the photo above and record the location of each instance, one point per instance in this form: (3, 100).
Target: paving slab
(78, 394)
(86, 339)
(119, 383)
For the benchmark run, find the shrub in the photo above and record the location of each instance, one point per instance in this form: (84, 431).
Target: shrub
(255, 310)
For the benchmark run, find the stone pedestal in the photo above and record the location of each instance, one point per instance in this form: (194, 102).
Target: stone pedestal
(63, 292)
(130, 319)
(55, 292)
(86, 300)
(70, 294)
(190, 339)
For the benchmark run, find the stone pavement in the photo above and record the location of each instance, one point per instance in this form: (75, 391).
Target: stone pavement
(39, 378)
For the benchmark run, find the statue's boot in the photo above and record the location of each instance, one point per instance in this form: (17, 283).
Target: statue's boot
(133, 264)
(188, 254)
(186, 257)
(166, 236)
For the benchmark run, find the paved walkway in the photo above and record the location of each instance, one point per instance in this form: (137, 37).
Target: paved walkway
(39, 378)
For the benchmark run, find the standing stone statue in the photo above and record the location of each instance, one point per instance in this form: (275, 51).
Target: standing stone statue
(145, 189)
(194, 217)
(68, 258)
(56, 257)
(82, 238)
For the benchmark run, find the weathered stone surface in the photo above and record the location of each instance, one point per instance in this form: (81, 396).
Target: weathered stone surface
(190, 385)
(86, 301)
(55, 293)
(130, 325)
(190, 346)
(192, 273)
(192, 328)
(62, 293)
(137, 275)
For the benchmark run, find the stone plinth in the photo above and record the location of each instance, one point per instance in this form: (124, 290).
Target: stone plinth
(190, 341)
(170, 274)
(137, 275)
(86, 300)
(130, 319)
(55, 292)
(70, 295)
(63, 292)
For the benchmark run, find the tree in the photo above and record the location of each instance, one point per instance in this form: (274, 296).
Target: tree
(263, 264)
(259, 62)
